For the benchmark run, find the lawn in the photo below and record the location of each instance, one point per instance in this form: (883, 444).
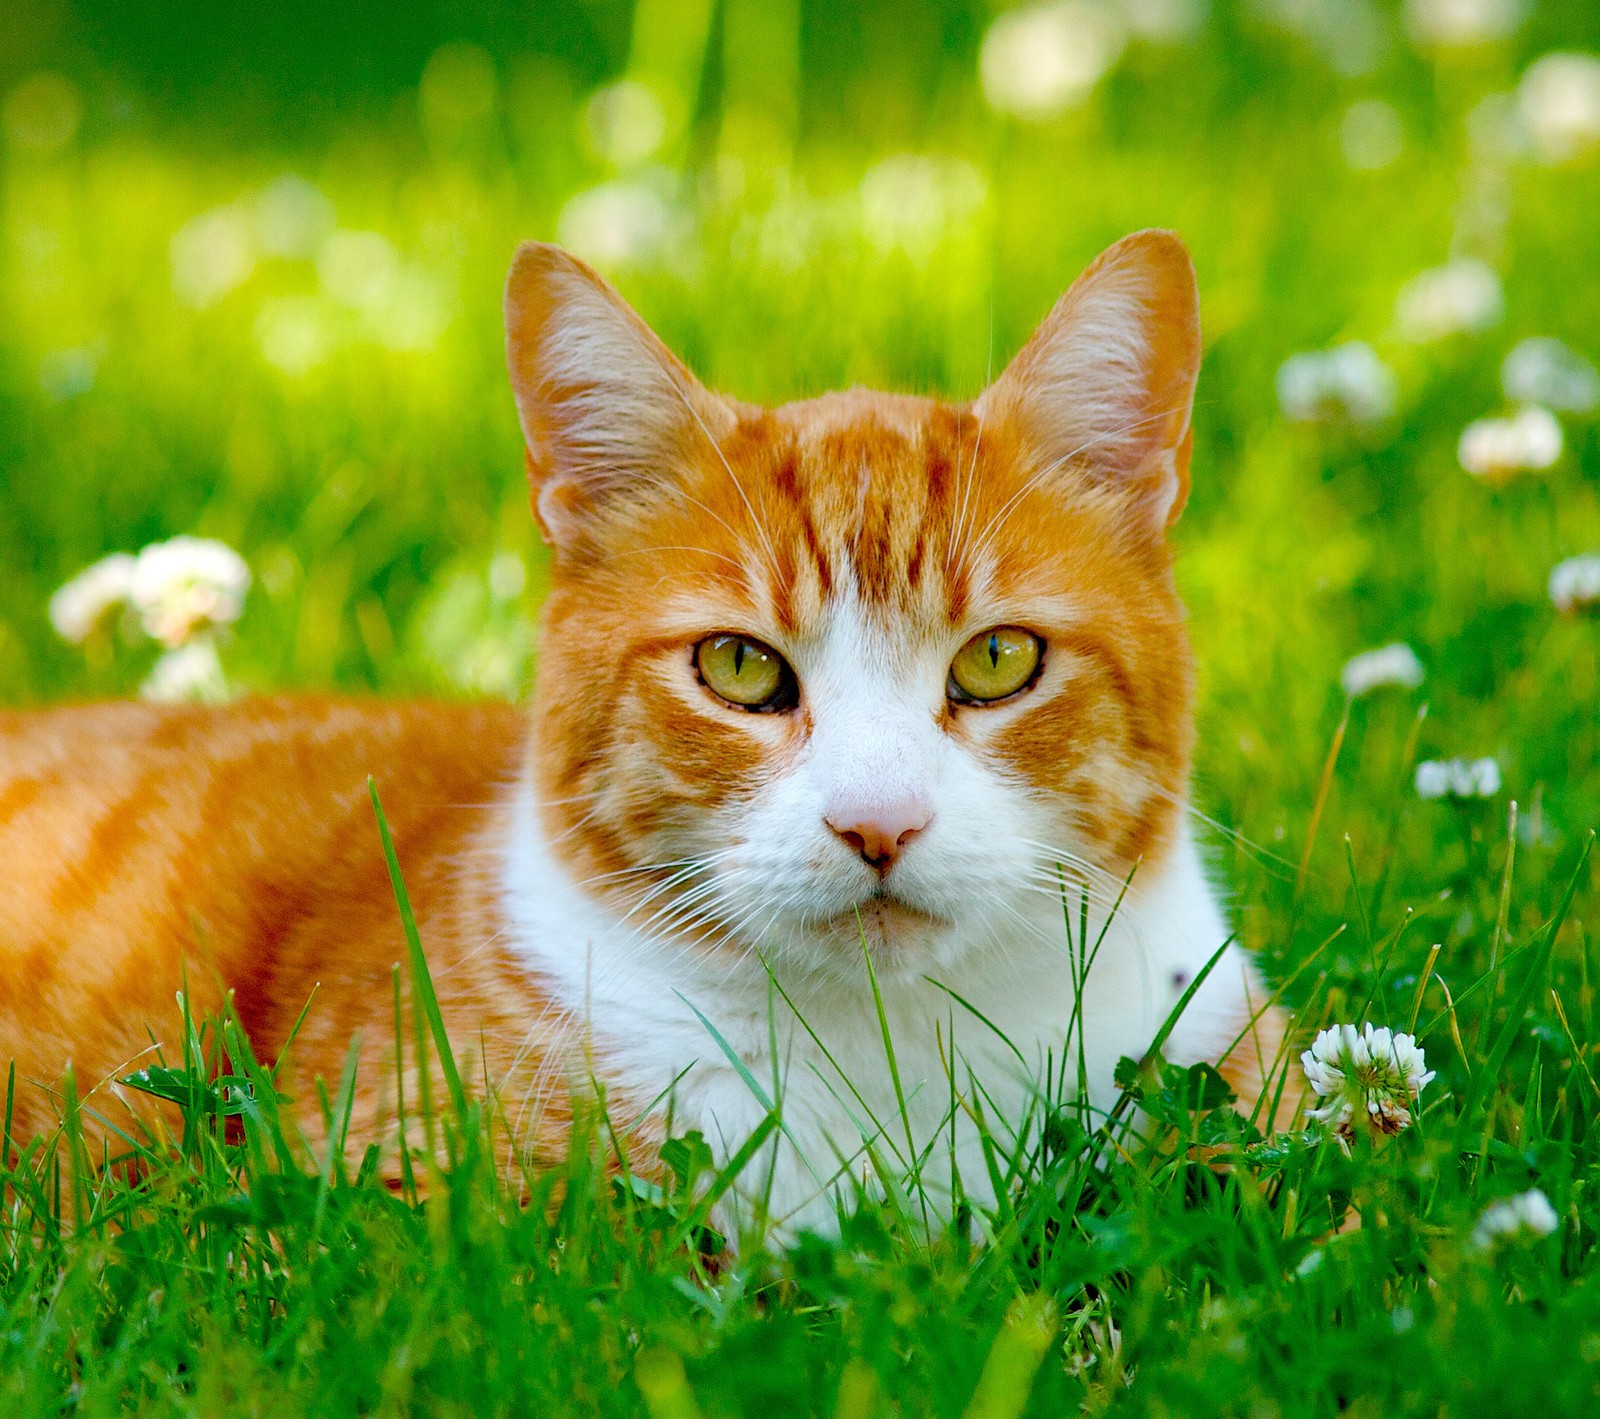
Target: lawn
(250, 275)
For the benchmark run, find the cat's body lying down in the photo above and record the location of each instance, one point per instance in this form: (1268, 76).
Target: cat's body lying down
(866, 673)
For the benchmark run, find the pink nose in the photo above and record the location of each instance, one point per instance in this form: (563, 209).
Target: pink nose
(879, 835)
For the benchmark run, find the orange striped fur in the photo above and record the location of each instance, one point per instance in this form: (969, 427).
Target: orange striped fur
(235, 848)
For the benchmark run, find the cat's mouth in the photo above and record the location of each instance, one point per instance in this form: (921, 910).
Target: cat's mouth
(886, 921)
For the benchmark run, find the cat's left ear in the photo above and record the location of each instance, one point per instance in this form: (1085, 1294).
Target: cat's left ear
(1107, 381)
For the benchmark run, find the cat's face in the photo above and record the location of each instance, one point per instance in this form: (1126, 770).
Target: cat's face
(867, 663)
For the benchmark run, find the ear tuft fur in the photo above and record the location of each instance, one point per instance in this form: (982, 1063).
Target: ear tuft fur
(606, 409)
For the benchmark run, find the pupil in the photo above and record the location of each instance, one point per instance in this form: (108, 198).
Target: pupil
(994, 652)
(738, 658)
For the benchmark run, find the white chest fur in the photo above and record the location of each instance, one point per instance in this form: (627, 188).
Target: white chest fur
(642, 998)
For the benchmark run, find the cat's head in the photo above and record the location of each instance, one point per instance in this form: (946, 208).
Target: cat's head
(867, 661)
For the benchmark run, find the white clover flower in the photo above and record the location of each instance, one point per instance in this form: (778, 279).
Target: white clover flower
(1558, 101)
(1347, 382)
(910, 201)
(185, 585)
(626, 122)
(1367, 1078)
(1495, 449)
(1575, 584)
(1395, 664)
(1458, 778)
(292, 217)
(211, 255)
(623, 223)
(1166, 21)
(1462, 22)
(1544, 371)
(191, 673)
(1527, 1215)
(296, 333)
(85, 601)
(1462, 297)
(1038, 61)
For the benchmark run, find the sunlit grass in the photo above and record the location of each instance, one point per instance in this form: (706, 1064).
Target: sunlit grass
(318, 384)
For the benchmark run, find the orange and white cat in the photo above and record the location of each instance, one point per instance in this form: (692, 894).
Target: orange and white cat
(864, 672)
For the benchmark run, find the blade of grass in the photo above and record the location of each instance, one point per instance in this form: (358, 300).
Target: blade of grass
(422, 991)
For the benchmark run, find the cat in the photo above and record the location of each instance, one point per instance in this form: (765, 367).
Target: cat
(867, 680)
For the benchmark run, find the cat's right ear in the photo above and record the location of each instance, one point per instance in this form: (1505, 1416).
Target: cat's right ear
(607, 411)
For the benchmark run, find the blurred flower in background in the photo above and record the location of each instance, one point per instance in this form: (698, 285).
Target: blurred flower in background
(1458, 778)
(1038, 61)
(1544, 371)
(1575, 584)
(628, 222)
(185, 585)
(1346, 383)
(1496, 449)
(625, 122)
(1462, 22)
(910, 202)
(1558, 102)
(190, 674)
(212, 254)
(292, 218)
(1462, 297)
(181, 593)
(1528, 1215)
(80, 607)
(1395, 664)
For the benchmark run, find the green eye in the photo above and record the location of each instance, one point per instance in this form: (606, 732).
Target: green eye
(993, 664)
(745, 673)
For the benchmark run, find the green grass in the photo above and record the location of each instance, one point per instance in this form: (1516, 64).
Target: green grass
(373, 490)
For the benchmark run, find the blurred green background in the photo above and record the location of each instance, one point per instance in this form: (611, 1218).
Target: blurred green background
(250, 271)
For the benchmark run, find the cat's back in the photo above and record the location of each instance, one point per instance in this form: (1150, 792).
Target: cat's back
(234, 846)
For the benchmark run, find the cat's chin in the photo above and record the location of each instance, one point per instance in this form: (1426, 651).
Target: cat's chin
(888, 924)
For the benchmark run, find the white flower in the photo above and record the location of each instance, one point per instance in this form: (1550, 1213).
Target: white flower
(1528, 1214)
(211, 255)
(1395, 664)
(186, 584)
(1458, 778)
(1544, 371)
(626, 122)
(1575, 584)
(296, 333)
(1558, 101)
(1367, 1078)
(1347, 382)
(1038, 61)
(910, 202)
(358, 269)
(1496, 448)
(1166, 21)
(617, 223)
(292, 217)
(1460, 22)
(191, 673)
(1461, 297)
(83, 603)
